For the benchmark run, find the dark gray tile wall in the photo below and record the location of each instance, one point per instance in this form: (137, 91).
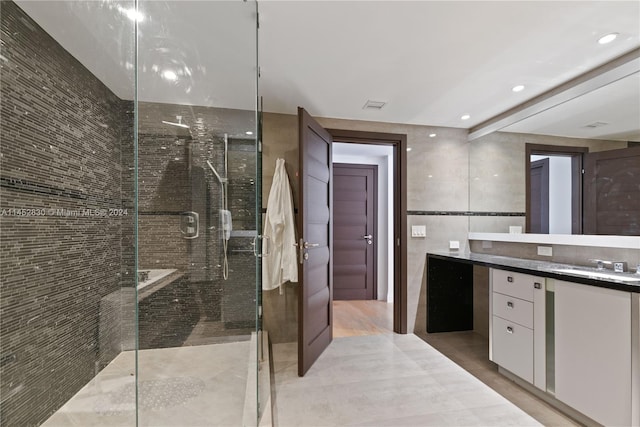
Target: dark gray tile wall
(167, 317)
(174, 178)
(64, 137)
(67, 281)
(239, 292)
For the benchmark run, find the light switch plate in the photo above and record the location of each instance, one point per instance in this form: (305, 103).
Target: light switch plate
(545, 250)
(454, 244)
(418, 231)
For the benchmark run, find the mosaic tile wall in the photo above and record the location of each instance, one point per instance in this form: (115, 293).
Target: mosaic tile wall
(67, 266)
(175, 178)
(65, 259)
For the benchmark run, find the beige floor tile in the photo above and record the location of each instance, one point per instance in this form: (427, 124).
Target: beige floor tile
(384, 379)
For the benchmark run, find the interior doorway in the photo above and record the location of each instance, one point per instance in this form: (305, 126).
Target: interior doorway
(559, 210)
(315, 301)
(388, 153)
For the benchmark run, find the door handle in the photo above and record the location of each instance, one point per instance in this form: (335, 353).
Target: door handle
(301, 247)
(368, 238)
(266, 247)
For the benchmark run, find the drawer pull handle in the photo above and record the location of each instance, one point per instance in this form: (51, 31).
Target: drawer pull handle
(510, 279)
(537, 285)
(509, 329)
(509, 304)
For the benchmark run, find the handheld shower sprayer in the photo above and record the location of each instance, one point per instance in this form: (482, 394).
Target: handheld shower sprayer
(225, 215)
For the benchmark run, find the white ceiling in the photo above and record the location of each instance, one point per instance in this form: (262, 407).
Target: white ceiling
(431, 61)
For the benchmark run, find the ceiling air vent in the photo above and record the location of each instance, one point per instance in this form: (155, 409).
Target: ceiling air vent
(596, 125)
(373, 105)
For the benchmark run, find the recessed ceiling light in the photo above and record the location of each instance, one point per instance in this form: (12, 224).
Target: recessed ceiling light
(608, 38)
(465, 117)
(169, 75)
(432, 135)
(409, 148)
(518, 88)
(249, 132)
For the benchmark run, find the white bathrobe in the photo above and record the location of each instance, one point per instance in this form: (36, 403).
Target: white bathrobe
(280, 265)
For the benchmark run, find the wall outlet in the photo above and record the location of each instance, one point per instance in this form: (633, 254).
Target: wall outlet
(418, 231)
(454, 244)
(619, 266)
(545, 250)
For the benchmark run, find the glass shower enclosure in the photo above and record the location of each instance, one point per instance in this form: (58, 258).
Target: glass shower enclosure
(130, 198)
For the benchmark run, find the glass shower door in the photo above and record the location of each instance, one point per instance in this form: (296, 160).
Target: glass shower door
(197, 182)
(129, 184)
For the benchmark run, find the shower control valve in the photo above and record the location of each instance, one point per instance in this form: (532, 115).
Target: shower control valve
(189, 224)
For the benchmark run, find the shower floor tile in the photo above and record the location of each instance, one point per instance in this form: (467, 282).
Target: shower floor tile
(183, 386)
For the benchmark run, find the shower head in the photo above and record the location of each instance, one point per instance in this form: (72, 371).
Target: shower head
(178, 124)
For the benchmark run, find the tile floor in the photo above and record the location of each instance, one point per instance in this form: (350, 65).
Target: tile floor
(193, 386)
(471, 351)
(385, 380)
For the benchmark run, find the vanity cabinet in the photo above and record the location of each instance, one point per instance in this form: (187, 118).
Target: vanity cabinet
(517, 341)
(593, 367)
(577, 344)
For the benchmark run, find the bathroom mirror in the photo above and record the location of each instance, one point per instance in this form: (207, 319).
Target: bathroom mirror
(606, 118)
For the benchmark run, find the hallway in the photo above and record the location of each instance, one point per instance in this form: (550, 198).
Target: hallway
(356, 318)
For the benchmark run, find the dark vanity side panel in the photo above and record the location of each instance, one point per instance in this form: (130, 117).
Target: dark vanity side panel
(449, 296)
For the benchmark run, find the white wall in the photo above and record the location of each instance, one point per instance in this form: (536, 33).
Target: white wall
(559, 193)
(381, 156)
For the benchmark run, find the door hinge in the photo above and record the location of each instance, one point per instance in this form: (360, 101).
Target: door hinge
(398, 242)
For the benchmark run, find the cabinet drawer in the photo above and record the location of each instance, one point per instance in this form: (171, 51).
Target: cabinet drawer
(513, 347)
(513, 309)
(514, 284)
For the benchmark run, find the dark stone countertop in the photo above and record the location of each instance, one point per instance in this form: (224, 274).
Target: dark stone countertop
(628, 282)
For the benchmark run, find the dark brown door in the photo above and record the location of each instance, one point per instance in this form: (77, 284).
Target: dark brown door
(612, 192)
(354, 240)
(539, 197)
(315, 231)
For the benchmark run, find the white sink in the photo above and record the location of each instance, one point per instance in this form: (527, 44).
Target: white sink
(598, 275)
